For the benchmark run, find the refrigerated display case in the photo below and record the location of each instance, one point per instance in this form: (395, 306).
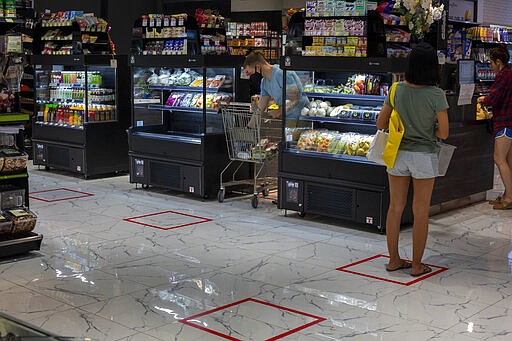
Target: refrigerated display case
(177, 136)
(322, 164)
(81, 124)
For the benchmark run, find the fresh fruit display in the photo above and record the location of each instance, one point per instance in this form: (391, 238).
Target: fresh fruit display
(333, 142)
(319, 108)
(358, 84)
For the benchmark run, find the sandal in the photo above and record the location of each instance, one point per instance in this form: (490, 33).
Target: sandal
(404, 265)
(496, 201)
(503, 205)
(426, 270)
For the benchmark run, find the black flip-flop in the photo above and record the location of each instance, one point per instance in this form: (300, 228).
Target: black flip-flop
(426, 270)
(404, 265)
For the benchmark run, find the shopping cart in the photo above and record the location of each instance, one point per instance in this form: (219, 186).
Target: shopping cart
(250, 139)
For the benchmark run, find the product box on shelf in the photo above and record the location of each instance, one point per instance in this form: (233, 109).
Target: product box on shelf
(9, 8)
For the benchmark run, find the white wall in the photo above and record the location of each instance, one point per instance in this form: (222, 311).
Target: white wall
(497, 12)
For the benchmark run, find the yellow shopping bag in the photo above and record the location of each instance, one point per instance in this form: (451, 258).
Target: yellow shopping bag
(396, 132)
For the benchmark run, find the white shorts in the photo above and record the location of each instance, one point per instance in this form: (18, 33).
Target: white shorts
(418, 165)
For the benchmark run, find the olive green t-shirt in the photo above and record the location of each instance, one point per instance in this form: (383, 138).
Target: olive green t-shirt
(418, 108)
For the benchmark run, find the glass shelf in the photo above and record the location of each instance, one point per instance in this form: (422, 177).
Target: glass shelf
(346, 96)
(188, 109)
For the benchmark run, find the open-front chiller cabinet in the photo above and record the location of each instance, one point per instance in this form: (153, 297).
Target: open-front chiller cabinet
(177, 137)
(80, 124)
(322, 164)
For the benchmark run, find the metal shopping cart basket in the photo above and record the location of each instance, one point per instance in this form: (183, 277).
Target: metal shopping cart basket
(250, 139)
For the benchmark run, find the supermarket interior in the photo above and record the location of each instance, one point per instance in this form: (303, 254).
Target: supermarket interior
(148, 190)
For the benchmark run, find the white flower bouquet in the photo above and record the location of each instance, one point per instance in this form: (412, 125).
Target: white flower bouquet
(420, 15)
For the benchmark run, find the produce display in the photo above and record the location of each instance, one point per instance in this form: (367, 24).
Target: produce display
(178, 77)
(195, 100)
(333, 142)
(360, 84)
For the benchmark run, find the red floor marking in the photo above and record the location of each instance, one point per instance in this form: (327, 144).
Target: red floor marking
(280, 336)
(62, 199)
(201, 220)
(416, 280)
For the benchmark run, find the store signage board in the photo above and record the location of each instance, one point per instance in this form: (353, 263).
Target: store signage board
(462, 10)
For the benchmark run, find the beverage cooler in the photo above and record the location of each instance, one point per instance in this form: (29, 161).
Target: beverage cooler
(322, 164)
(177, 136)
(81, 120)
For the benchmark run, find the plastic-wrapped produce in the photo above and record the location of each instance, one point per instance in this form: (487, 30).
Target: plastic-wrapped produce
(308, 140)
(323, 140)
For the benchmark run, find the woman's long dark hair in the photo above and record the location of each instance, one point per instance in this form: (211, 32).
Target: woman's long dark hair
(423, 65)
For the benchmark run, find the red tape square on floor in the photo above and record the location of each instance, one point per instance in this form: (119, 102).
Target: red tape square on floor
(416, 280)
(200, 220)
(74, 195)
(280, 336)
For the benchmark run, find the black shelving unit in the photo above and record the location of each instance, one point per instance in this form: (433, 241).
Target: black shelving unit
(94, 141)
(17, 120)
(353, 188)
(182, 148)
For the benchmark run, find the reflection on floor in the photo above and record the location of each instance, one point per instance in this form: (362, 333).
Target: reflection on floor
(212, 271)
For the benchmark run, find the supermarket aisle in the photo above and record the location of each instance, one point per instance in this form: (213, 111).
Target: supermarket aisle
(120, 263)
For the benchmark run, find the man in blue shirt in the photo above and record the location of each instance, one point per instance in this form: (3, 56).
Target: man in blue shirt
(272, 87)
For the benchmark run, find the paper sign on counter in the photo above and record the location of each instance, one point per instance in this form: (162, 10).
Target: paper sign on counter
(466, 94)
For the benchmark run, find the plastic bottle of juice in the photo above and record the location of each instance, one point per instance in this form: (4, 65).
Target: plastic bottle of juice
(45, 113)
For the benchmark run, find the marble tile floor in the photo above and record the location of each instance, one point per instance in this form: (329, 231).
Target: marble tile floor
(235, 273)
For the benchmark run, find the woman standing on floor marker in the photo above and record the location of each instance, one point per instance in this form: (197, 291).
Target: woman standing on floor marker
(423, 109)
(500, 99)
